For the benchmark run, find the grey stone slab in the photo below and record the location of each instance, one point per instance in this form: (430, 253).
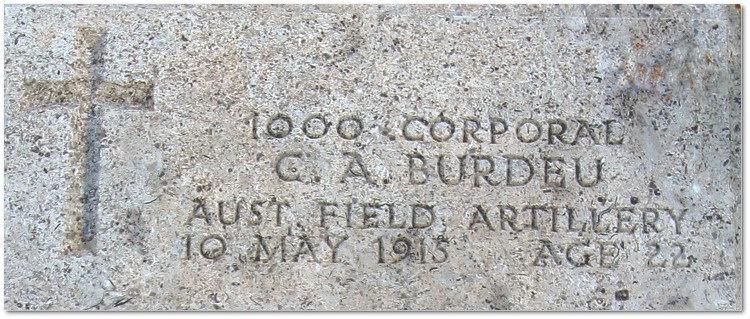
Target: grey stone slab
(373, 157)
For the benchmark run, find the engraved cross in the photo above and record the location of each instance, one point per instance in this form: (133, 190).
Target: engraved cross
(86, 91)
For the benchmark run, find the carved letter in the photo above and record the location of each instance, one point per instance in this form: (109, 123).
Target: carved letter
(334, 246)
(471, 130)
(435, 134)
(356, 168)
(410, 135)
(324, 211)
(200, 206)
(596, 180)
(480, 217)
(430, 216)
(677, 219)
(610, 134)
(509, 167)
(442, 170)
(498, 126)
(585, 128)
(555, 130)
(480, 173)
(287, 167)
(556, 169)
(530, 135)
(413, 169)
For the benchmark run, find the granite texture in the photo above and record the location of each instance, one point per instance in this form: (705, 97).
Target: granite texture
(378, 157)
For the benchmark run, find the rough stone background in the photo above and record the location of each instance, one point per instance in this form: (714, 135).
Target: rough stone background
(118, 116)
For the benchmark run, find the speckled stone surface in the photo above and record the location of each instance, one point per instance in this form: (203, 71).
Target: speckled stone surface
(442, 157)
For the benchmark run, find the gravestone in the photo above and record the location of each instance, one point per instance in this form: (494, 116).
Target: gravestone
(372, 157)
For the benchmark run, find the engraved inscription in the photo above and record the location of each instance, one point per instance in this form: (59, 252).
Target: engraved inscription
(274, 238)
(376, 157)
